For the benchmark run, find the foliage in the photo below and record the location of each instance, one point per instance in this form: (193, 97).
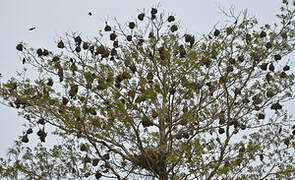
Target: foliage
(148, 101)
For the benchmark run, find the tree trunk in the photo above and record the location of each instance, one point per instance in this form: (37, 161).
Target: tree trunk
(162, 165)
(163, 170)
(163, 176)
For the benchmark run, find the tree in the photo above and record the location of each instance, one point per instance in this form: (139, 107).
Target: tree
(148, 101)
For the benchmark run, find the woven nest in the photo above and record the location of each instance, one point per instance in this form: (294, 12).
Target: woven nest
(150, 160)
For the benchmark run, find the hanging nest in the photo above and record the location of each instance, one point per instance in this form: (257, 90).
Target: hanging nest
(151, 160)
(171, 19)
(140, 16)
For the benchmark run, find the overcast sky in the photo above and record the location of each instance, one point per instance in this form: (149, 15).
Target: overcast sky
(52, 18)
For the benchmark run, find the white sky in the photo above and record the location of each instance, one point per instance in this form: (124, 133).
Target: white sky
(52, 18)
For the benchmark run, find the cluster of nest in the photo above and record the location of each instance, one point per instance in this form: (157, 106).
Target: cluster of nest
(151, 160)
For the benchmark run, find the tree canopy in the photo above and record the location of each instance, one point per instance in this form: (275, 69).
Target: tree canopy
(147, 100)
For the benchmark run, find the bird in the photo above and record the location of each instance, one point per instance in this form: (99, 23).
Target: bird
(90, 14)
(32, 28)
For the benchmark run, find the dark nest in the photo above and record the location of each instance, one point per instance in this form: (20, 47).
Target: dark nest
(151, 160)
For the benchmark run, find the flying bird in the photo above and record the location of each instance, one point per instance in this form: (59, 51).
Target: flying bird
(90, 14)
(32, 28)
